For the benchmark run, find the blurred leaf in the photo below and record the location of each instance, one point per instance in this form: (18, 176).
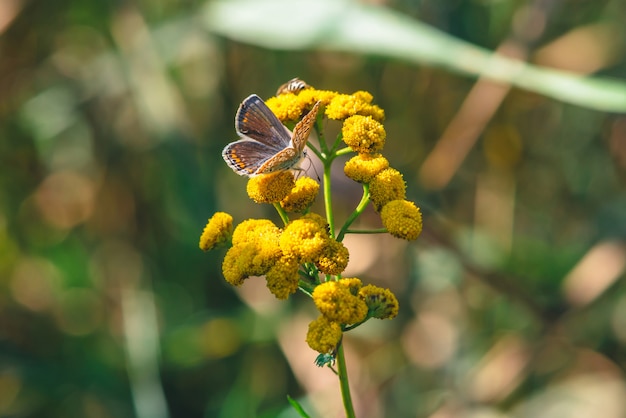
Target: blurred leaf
(352, 27)
(297, 407)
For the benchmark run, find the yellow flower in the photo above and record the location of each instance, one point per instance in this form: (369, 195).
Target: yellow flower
(301, 196)
(304, 238)
(312, 96)
(363, 167)
(270, 188)
(236, 263)
(363, 134)
(253, 230)
(318, 219)
(342, 106)
(286, 107)
(333, 259)
(386, 186)
(335, 301)
(254, 252)
(402, 219)
(290, 107)
(282, 279)
(382, 303)
(352, 284)
(323, 335)
(218, 230)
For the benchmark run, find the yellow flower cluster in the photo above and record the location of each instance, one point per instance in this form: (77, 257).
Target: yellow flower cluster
(255, 250)
(307, 240)
(346, 302)
(291, 106)
(260, 248)
(364, 133)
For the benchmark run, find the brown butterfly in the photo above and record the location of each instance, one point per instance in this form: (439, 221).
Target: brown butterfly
(266, 145)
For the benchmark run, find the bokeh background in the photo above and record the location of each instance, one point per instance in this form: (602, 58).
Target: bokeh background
(112, 118)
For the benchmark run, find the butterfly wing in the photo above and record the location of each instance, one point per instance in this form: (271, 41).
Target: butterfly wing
(303, 128)
(256, 121)
(266, 145)
(284, 160)
(246, 156)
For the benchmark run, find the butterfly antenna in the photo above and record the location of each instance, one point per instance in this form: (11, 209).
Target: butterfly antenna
(311, 165)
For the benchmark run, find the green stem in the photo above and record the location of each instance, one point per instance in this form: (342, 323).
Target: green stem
(282, 213)
(320, 135)
(328, 205)
(343, 382)
(344, 151)
(359, 209)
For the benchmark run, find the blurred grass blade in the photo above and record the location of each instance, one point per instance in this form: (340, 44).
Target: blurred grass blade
(352, 27)
(297, 407)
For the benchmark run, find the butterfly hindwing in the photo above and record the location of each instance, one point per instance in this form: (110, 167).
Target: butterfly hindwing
(246, 156)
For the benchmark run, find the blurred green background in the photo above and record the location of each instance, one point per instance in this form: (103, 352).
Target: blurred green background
(112, 119)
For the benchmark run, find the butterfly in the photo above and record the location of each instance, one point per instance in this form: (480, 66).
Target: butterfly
(295, 85)
(266, 145)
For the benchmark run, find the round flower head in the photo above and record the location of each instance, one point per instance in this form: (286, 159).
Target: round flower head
(353, 284)
(337, 303)
(318, 219)
(290, 107)
(363, 168)
(363, 134)
(312, 96)
(301, 196)
(402, 219)
(270, 188)
(304, 238)
(381, 303)
(343, 106)
(323, 335)
(254, 230)
(217, 231)
(386, 186)
(333, 259)
(255, 250)
(239, 264)
(263, 235)
(282, 279)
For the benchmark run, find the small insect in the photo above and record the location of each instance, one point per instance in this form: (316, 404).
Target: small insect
(295, 85)
(266, 145)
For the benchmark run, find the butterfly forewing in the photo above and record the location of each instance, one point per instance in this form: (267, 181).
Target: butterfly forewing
(256, 121)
